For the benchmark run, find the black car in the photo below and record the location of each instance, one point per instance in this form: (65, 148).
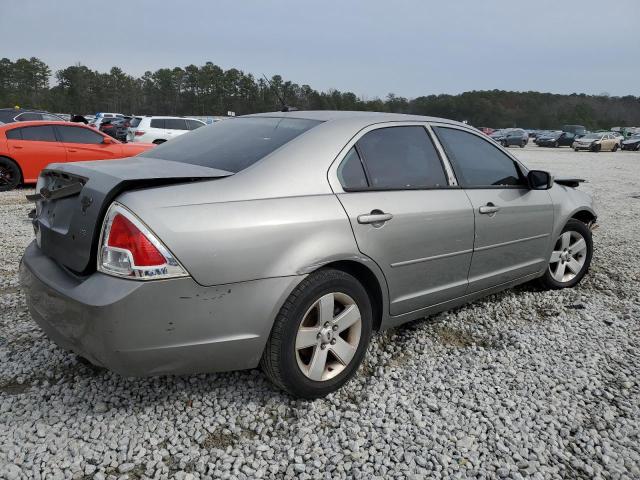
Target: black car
(631, 143)
(115, 127)
(9, 115)
(556, 139)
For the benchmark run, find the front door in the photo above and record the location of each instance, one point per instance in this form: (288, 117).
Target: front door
(84, 143)
(406, 217)
(513, 223)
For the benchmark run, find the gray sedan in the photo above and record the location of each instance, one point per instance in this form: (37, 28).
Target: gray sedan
(285, 239)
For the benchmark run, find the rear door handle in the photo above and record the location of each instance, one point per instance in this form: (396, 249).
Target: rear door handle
(377, 218)
(489, 209)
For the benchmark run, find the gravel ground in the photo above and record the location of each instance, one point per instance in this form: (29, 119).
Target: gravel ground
(525, 383)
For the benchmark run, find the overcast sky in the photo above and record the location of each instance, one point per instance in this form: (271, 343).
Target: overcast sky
(369, 47)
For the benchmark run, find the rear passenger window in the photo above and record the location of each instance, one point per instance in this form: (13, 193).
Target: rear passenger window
(157, 123)
(41, 133)
(15, 134)
(351, 173)
(175, 124)
(400, 158)
(476, 161)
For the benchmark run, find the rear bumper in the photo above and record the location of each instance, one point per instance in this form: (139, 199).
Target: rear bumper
(159, 327)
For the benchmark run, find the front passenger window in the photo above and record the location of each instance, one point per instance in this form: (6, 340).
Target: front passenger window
(477, 162)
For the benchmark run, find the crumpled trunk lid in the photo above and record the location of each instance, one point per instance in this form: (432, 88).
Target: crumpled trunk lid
(72, 199)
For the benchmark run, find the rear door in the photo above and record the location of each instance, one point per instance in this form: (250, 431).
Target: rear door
(512, 222)
(34, 147)
(175, 126)
(407, 216)
(86, 144)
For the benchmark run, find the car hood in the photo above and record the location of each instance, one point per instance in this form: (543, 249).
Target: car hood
(631, 141)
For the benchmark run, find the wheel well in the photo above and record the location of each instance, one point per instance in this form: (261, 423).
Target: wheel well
(17, 165)
(584, 216)
(158, 141)
(370, 282)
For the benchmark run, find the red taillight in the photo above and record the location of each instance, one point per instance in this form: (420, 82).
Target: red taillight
(139, 133)
(126, 235)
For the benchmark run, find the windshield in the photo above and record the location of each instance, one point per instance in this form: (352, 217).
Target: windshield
(232, 144)
(593, 135)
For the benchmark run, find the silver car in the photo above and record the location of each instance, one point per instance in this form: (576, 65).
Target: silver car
(285, 239)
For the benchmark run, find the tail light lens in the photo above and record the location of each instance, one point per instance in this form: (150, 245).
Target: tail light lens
(129, 249)
(139, 133)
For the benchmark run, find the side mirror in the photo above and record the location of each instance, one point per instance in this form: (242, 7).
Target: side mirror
(539, 180)
(107, 140)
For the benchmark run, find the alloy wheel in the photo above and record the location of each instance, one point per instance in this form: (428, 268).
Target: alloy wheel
(568, 256)
(328, 336)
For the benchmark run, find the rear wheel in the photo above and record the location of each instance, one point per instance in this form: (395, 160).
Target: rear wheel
(10, 174)
(570, 258)
(615, 148)
(556, 144)
(320, 336)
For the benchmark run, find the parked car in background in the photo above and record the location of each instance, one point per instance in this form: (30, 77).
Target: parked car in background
(115, 127)
(486, 130)
(596, 142)
(577, 130)
(511, 136)
(27, 147)
(160, 129)
(8, 115)
(101, 117)
(555, 139)
(390, 218)
(631, 143)
(618, 137)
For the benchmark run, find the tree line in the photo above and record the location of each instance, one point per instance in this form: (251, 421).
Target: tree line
(211, 90)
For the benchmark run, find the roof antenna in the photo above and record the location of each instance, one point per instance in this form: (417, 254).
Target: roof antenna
(285, 107)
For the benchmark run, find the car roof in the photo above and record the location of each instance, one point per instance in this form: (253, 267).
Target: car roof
(31, 123)
(359, 116)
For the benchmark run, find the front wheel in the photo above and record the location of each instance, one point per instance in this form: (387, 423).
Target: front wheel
(615, 148)
(10, 175)
(570, 258)
(320, 335)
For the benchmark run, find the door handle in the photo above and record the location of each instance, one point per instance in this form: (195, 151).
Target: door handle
(377, 218)
(72, 151)
(18, 147)
(489, 209)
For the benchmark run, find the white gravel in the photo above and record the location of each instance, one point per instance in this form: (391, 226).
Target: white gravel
(526, 383)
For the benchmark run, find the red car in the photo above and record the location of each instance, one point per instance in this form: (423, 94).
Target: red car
(27, 147)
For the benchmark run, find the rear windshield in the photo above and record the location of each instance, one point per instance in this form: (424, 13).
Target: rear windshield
(233, 144)
(135, 121)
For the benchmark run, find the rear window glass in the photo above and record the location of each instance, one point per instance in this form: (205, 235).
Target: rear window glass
(15, 134)
(41, 133)
(234, 144)
(135, 121)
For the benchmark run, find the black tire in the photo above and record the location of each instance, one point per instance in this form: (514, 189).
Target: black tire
(523, 144)
(615, 148)
(547, 281)
(10, 174)
(279, 361)
(596, 148)
(576, 150)
(556, 145)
